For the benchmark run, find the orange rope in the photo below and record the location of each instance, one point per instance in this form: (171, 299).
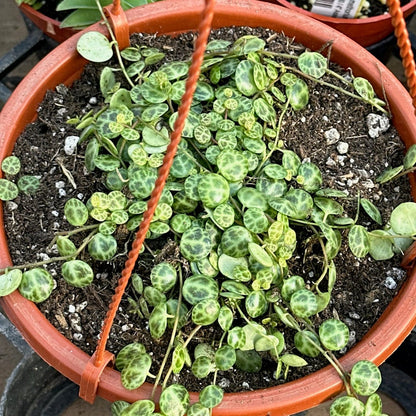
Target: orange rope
(116, 9)
(405, 46)
(194, 71)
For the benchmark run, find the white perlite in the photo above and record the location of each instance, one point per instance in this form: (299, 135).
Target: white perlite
(332, 136)
(70, 144)
(377, 124)
(342, 148)
(390, 283)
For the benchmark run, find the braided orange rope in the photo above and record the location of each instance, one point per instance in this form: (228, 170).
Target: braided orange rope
(405, 46)
(194, 71)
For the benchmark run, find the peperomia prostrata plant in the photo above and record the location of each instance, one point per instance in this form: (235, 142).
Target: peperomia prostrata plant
(234, 202)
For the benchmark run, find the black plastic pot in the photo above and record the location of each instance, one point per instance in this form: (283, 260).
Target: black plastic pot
(33, 388)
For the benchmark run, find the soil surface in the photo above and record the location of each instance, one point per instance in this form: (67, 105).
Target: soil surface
(352, 162)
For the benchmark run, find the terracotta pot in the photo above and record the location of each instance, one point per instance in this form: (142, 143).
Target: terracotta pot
(47, 25)
(366, 31)
(63, 65)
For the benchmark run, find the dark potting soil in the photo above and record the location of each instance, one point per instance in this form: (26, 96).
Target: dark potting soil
(364, 287)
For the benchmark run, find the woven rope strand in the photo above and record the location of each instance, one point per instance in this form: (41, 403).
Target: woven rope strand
(405, 46)
(193, 75)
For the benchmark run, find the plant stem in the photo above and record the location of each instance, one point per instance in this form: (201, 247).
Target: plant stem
(172, 337)
(52, 259)
(331, 359)
(185, 344)
(113, 38)
(72, 232)
(326, 266)
(279, 125)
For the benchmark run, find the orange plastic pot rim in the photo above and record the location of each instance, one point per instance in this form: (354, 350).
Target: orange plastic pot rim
(173, 16)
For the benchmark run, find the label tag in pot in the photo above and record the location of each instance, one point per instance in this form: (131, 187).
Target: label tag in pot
(346, 9)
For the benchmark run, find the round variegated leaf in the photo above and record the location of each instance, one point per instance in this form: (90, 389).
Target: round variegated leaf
(233, 165)
(174, 400)
(36, 285)
(213, 190)
(195, 244)
(244, 78)
(205, 312)
(163, 276)
(256, 304)
(365, 378)
(102, 247)
(303, 303)
(358, 240)
(252, 198)
(10, 281)
(158, 320)
(197, 409)
(235, 241)
(11, 165)
(211, 396)
(313, 64)
(307, 343)
(134, 374)
(298, 95)
(265, 111)
(346, 406)
(128, 353)
(363, 88)
(224, 215)
(248, 361)
(77, 273)
(141, 407)
(333, 334)
(76, 212)
(8, 190)
(199, 287)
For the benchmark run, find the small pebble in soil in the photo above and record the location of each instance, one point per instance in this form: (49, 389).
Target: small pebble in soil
(368, 184)
(10, 205)
(390, 283)
(330, 162)
(59, 184)
(245, 385)
(396, 273)
(81, 306)
(342, 148)
(354, 315)
(93, 101)
(332, 136)
(70, 145)
(377, 124)
(71, 309)
(224, 383)
(77, 336)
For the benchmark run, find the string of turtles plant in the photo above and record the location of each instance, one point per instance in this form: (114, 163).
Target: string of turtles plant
(234, 201)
